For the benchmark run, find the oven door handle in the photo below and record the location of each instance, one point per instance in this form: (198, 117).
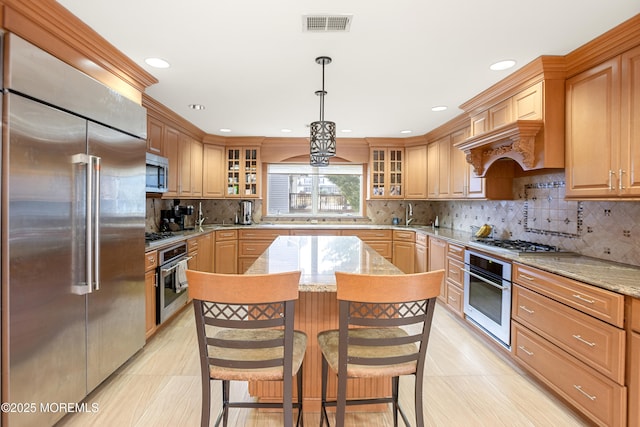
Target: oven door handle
(170, 269)
(488, 282)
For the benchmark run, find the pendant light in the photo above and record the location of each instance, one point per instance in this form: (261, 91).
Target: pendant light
(323, 133)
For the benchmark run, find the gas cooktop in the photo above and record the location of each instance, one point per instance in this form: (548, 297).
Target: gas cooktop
(519, 246)
(152, 237)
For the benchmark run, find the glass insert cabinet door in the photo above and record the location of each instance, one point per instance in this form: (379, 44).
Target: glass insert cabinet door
(386, 173)
(242, 172)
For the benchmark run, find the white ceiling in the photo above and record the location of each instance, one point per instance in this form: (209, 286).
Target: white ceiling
(253, 68)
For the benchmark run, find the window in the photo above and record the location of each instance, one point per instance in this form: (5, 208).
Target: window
(303, 190)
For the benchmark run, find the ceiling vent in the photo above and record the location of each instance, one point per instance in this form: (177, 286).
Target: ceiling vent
(326, 23)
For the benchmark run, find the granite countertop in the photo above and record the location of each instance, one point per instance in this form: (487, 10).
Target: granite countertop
(318, 258)
(616, 277)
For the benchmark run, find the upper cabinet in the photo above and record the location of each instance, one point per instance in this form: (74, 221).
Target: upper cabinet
(243, 172)
(155, 129)
(213, 168)
(438, 168)
(520, 118)
(386, 173)
(416, 170)
(603, 130)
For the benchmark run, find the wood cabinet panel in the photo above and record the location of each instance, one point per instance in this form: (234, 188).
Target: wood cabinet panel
(213, 177)
(599, 303)
(629, 169)
(593, 117)
(437, 261)
(171, 150)
(404, 256)
(155, 130)
(593, 394)
(480, 123)
(226, 256)
(455, 251)
(501, 114)
(528, 103)
(634, 380)
(261, 234)
(383, 248)
(455, 299)
(226, 235)
(150, 287)
(422, 260)
(596, 343)
(416, 181)
(404, 235)
(438, 168)
(455, 273)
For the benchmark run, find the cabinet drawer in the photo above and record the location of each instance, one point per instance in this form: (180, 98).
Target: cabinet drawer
(594, 342)
(455, 273)
(368, 235)
(383, 248)
(251, 248)
(455, 299)
(261, 234)
(192, 244)
(405, 236)
(594, 395)
(226, 235)
(150, 260)
(421, 239)
(599, 303)
(455, 251)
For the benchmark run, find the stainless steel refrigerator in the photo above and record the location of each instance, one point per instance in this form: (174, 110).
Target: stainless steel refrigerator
(73, 213)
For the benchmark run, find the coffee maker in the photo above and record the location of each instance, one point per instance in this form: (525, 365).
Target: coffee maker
(246, 207)
(177, 218)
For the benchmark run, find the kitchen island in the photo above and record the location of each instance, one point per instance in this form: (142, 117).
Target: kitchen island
(318, 258)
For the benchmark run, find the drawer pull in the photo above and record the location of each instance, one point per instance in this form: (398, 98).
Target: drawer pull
(527, 277)
(523, 348)
(528, 310)
(579, 388)
(579, 338)
(581, 298)
(151, 260)
(250, 249)
(453, 299)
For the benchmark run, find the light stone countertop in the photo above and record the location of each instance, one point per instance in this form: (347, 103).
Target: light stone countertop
(616, 277)
(319, 257)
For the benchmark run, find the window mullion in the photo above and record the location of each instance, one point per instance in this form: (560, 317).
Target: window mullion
(314, 195)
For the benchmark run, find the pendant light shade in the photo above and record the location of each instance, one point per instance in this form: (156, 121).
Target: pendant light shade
(323, 133)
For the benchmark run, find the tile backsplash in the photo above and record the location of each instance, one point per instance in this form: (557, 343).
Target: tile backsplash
(601, 229)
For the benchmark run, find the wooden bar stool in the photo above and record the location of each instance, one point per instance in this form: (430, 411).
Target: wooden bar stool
(384, 326)
(245, 333)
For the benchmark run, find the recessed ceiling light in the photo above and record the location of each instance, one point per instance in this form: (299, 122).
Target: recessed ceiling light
(196, 106)
(285, 130)
(439, 108)
(225, 130)
(157, 62)
(406, 131)
(502, 65)
(345, 130)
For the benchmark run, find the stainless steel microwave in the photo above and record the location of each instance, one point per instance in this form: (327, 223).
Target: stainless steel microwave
(157, 173)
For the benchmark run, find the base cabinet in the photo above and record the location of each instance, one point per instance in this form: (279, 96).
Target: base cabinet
(437, 261)
(226, 252)
(150, 286)
(404, 250)
(455, 278)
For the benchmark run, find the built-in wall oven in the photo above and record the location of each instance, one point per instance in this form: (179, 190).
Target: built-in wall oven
(171, 296)
(487, 294)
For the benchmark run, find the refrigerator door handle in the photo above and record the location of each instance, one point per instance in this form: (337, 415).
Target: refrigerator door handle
(92, 224)
(95, 162)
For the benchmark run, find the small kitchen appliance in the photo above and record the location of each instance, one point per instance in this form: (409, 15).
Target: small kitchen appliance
(177, 218)
(246, 208)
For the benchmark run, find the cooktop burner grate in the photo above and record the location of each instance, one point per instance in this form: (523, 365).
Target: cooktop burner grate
(152, 237)
(521, 246)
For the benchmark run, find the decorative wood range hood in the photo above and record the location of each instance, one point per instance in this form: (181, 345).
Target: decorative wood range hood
(520, 118)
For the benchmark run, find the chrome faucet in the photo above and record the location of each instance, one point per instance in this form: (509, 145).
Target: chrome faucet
(408, 214)
(201, 217)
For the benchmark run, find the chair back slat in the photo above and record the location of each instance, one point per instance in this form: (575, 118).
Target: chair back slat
(245, 364)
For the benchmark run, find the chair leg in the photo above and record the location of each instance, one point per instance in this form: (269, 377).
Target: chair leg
(418, 400)
(225, 403)
(394, 395)
(300, 420)
(323, 407)
(287, 398)
(206, 403)
(341, 405)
